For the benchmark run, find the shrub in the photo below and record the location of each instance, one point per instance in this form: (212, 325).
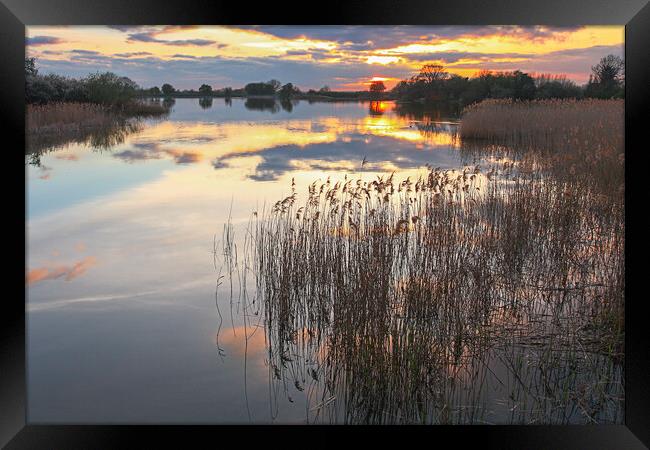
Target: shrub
(109, 89)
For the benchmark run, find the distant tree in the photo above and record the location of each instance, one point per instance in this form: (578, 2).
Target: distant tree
(430, 73)
(227, 92)
(377, 87)
(607, 78)
(609, 70)
(556, 86)
(155, 91)
(30, 67)
(259, 89)
(167, 89)
(205, 89)
(401, 88)
(324, 89)
(288, 91)
(523, 86)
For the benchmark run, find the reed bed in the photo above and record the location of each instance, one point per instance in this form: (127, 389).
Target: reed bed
(54, 125)
(575, 139)
(53, 116)
(556, 123)
(483, 295)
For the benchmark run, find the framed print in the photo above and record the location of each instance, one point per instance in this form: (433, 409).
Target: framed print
(379, 216)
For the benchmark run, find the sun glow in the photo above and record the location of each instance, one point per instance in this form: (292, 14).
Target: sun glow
(221, 54)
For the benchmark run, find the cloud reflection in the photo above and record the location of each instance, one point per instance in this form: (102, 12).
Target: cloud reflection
(382, 154)
(67, 272)
(153, 150)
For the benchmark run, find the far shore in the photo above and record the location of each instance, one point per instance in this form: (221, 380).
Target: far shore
(318, 97)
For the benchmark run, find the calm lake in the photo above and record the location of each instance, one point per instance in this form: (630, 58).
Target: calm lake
(122, 323)
(130, 321)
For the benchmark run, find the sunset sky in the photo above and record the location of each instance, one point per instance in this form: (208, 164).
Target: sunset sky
(342, 57)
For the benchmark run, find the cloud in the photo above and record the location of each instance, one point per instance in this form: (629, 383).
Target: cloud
(131, 54)
(345, 67)
(84, 52)
(150, 36)
(60, 271)
(180, 55)
(359, 38)
(43, 40)
(452, 57)
(576, 63)
(186, 73)
(124, 28)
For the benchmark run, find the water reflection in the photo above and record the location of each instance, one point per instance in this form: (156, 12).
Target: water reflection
(421, 112)
(381, 153)
(377, 108)
(97, 138)
(168, 102)
(67, 272)
(205, 102)
(266, 151)
(263, 104)
(288, 104)
(153, 197)
(471, 323)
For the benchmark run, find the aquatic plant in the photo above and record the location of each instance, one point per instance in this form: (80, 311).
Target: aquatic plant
(481, 295)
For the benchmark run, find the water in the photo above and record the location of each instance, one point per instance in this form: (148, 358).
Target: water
(122, 321)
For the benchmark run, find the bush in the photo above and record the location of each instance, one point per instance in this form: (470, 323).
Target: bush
(41, 89)
(259, 89)
(99, 88)
(109, 89)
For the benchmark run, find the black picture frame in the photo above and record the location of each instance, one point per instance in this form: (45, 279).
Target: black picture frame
(16, 14)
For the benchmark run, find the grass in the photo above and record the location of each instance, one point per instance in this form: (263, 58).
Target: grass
(483, 295)
(53, 125)
(581, 139)
(53, 116)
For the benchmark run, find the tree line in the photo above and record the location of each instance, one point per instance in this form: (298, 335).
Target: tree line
(101, 88)
(272, 88)
(433, 84)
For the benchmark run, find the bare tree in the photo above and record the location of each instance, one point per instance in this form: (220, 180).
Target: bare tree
(430, 73)
(609, 70)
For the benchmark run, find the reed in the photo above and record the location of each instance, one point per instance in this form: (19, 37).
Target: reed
(53, 125)
(54, 116)
(482, 295)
